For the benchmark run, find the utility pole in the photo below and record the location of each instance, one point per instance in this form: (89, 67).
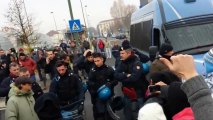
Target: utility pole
(70, 8)
(71, 15)
(56, 28)
(84, 18)
(74, 35)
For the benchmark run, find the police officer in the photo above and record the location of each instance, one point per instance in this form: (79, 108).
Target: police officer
(66, 85)
(86, 62)
(130, 73)
(100, 75)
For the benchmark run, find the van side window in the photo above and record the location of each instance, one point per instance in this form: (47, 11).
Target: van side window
(141, 35)
(156, 37)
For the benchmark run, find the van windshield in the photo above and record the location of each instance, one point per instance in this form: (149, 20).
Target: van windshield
(189, 37)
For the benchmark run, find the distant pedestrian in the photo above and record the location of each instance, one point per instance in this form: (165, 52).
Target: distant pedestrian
(63, 46)
(108, 49)
(86, 45)
(116, 52)
(101, 46)
(94, 44)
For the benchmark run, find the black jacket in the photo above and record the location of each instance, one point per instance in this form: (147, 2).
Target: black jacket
(68, 87)
(3, 74)
(99, 76)
(84, 64)
(5, 87)
(36, 90)
(50, 68)
(131, 66)
(143, 58)
(47, 107)
(41, 62)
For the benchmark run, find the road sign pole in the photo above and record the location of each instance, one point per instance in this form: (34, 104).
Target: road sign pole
(70, 9)
(72, 17)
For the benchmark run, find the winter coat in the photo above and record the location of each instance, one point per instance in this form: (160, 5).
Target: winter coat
(50, 68)
(83, 63)
(5, 87)
(36, 88)
(68, 88)
(20, 105)
(199, 96)
(137, 80)
(47, 107)
(29, 64)
(99, 76)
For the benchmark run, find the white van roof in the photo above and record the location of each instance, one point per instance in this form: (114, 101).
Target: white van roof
(174, 10)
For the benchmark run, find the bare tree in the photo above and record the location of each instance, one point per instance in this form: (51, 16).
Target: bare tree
(20, 24)
(121, 14)
(129, 9)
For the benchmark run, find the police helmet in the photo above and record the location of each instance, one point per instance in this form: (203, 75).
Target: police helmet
(104, 92)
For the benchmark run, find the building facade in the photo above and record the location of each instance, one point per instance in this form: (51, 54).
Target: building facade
(105, 27)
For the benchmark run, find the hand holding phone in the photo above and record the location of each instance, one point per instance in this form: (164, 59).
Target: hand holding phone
(154, 88)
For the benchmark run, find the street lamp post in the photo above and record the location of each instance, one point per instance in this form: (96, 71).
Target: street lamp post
(87, 20)
(84, 17)
(55, 23)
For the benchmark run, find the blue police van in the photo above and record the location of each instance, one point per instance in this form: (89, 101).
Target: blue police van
(186, 24)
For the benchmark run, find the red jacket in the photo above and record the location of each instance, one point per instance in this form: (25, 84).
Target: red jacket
(29, 64)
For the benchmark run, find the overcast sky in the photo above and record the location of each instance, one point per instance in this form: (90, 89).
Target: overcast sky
(97, 11)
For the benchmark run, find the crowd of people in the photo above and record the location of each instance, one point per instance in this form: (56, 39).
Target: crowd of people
(171, 89)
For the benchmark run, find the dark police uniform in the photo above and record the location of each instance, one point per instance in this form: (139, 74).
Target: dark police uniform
(99, 76)
(136, 82)
(83, 63)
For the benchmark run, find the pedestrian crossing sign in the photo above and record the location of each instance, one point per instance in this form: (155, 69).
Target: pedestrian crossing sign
(75, 25)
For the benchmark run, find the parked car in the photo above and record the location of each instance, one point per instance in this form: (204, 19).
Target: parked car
(121, 36)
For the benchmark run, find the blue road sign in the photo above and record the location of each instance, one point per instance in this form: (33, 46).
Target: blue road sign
(75, 25)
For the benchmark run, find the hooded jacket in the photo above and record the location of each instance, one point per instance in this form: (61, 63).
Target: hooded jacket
(20, 105)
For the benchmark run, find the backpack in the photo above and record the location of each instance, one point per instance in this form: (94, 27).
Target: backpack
(185, 114)
(101, 44)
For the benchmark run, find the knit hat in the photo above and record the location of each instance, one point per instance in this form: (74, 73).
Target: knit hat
(125, 45)
(151, 111)
(208, 61)
(165, 48)
(22, 80)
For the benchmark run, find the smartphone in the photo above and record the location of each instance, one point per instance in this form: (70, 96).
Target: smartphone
(154, 88)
